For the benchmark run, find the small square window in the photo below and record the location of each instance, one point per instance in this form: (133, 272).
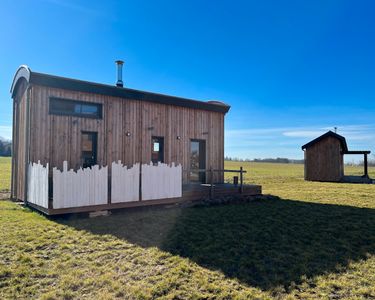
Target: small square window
(156, 146)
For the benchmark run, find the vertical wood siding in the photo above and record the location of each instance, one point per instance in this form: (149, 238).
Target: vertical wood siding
(19, 154)
(324, 161)
(55, 139)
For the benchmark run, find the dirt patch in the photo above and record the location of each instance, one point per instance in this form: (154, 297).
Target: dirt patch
(4, 195)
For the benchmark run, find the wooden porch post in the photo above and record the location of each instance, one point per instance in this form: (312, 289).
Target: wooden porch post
(212, 183)
(241, 180)
(365, 164)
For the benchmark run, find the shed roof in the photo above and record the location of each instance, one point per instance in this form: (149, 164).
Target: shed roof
(110, 90)
(326, 135)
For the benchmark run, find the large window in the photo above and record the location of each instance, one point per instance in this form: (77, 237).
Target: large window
(67, 107)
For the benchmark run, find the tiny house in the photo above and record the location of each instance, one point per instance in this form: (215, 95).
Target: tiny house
(66, 123)
(324, 158)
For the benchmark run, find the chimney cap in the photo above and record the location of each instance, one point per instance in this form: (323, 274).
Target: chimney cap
(119, 62)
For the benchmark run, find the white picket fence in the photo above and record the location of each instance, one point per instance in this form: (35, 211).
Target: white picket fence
(89, 186)
(161, 181)
(124, 183)
(85, 187)
(37, 184)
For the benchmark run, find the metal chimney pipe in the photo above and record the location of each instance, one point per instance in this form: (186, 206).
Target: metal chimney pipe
(119, 64)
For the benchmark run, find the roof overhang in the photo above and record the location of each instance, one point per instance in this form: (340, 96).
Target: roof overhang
(330, 133)
(358, 152)
(111, 90)
(342, 140)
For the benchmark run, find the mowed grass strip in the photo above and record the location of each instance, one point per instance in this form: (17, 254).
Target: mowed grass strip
(315, 242)
(5, 173)
(81, 259)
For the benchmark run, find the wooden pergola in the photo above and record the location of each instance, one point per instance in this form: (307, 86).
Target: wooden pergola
(365, 162)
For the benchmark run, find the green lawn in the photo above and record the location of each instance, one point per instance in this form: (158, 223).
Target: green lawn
(5, 171)
(316, 242)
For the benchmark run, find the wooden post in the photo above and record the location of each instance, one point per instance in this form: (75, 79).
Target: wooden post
(50, 191)
(365, 165)
(241, 180)
(212, 183)
(109, 186)
(140, 181)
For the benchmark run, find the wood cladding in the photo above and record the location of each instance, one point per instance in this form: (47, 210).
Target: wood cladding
(19, 151)
(324, 161)
(55, 138)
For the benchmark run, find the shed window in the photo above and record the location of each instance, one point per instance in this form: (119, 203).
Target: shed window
(58, 106)
(157, 150)
(89, 148)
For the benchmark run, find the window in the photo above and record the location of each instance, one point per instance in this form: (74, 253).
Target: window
(157, 149)
(89, 148)
(67, 107)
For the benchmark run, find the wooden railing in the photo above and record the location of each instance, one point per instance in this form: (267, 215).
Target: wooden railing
(211, 171)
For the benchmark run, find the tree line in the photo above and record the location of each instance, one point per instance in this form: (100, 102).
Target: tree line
(280, 160)
(5, 147)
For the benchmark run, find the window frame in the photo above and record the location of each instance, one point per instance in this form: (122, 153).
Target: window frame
(99, 115)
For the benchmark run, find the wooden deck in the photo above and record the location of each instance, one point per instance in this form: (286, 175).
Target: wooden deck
(198, 191)
(190, 192)
(357, 179)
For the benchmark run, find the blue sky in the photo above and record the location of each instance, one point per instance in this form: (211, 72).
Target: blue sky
(290, 69)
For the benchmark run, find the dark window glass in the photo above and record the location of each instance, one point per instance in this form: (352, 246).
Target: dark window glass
(197, 160)
(89, 147)
(74, 108)
(157, 149)
(89, 109)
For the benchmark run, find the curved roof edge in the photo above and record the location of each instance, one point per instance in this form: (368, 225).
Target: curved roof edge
(218, 102)
(23, 71)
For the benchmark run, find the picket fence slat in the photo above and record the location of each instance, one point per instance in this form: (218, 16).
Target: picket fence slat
(124, 183)
(37, 186)
(161, 181)
(86, 187)
(82, 188)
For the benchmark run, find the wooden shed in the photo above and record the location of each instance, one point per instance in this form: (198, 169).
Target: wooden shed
(65, 123)
(324, 158)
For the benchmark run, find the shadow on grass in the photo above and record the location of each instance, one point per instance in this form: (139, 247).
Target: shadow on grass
(264, 244)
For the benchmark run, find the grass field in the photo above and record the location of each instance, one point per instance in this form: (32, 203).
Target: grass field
(316, 242)
(5, 171)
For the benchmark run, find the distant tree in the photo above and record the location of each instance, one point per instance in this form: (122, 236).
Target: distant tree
(267, 160)
(5, 147)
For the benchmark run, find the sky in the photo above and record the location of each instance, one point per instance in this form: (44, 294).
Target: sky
(291, 70)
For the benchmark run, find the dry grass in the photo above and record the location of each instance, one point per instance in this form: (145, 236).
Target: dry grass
(316, 242)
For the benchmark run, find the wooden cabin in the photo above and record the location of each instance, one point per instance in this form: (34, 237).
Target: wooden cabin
(324, 158)
(57, 120)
